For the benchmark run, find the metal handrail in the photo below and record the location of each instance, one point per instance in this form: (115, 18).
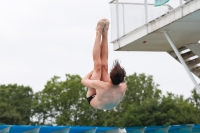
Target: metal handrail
(124, 3)
(170, 7)
(181, 2)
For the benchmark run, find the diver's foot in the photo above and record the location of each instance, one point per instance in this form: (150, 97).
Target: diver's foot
(100, 26)
(106, 27)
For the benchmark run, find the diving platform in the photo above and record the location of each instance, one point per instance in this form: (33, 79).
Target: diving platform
(175, 31)
(182, 25)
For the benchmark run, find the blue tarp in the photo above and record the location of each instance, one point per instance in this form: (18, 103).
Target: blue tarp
(76, 129)
(20, 129)
(49, 129)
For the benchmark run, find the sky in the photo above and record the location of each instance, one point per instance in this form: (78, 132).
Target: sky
(43, 38)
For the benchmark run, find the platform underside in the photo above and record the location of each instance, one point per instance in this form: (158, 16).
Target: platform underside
(182, 25)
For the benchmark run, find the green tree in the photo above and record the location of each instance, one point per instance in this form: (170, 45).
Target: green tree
(8, 114)
(144, 105)
(40, 109)
(195, 98)
(15, 104)
(168, 110)
(177, 110)
(63, 102)
(140, 89)
(142, 115)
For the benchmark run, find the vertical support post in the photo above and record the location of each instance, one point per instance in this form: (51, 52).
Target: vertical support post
(123, 19)
(181, 2)
(117, 18)
(181, 60)
(146, 11)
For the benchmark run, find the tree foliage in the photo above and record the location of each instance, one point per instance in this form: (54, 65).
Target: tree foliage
(143, 105)
(140, 91)
(63, 102)
(15, 104)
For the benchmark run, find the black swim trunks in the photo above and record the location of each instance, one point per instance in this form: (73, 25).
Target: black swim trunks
(90, 98)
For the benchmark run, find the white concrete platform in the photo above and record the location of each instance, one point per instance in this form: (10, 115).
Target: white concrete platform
(182, 25)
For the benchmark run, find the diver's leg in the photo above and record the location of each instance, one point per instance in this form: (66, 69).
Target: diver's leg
(104, 52)
(96, 75)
